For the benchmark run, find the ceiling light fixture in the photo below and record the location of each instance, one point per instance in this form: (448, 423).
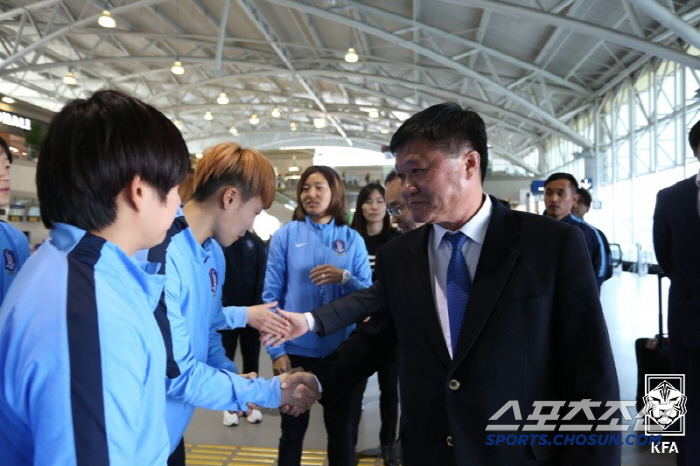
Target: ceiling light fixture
(106, 20)
(208, 116)
(275, 112)
(384, 131)
(199, 155)
(222, 99)
(351, 56)
(177, 68)
(8, 100)
(319, 123)
(293, 126)
(233, 130)
(70, 79)
(178, 124)
(373, 113)
(254, 120)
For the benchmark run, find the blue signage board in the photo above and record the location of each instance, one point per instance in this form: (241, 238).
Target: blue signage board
(537, 187)
(586, 183)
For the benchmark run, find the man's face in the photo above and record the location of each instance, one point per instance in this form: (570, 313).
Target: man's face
(438, 189)
(579, 209)
(401, 216)
(558, 198)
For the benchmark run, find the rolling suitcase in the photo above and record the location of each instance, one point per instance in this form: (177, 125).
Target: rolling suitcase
(653, 354)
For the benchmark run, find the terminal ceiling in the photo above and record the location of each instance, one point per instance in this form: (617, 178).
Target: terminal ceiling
(527, 66)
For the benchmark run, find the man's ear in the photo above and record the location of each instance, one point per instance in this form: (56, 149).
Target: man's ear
(577, 198)
(472, 162)
(228, 195)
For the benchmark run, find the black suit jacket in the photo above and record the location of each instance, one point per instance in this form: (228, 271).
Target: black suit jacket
(533, 330)
(349, 309)
(677, 247)
(245, 271)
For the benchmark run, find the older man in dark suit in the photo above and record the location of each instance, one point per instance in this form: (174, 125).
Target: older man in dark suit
(677, 247)
(484, 306)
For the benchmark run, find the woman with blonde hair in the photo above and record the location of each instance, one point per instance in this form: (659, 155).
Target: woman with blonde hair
(232, 185)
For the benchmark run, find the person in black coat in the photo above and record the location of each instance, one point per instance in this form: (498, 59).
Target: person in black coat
(677, 247)
(532, 328)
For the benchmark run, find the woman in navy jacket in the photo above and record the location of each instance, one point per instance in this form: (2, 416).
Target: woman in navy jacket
(312, 261)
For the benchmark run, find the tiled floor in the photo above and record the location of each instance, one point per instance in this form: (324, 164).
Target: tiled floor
(630, 305)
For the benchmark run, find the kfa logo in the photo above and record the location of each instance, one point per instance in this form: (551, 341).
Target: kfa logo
(214, 279)
(664, 404)
(339, 246)
(10, 260)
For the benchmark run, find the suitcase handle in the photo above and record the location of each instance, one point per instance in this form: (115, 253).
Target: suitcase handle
(661, 275)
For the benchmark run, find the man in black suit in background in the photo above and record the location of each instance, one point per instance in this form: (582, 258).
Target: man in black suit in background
(677, 247)
(531, 328)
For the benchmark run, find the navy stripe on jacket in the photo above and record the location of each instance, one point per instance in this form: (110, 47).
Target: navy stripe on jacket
(157, 254)
(87, 403)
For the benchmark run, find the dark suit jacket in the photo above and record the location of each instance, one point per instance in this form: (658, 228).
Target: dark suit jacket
(245, 271)
(349, 309)
(677, 247)
(533, 330)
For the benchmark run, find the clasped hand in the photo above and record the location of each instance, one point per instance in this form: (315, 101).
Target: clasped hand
(299, 391)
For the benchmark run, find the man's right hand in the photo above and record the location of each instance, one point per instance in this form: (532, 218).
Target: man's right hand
(298, 326)
(263, 317)
(281, 365)
(299, 391)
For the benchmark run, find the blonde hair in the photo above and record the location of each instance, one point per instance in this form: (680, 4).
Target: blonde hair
(186, 186)
(229, 164)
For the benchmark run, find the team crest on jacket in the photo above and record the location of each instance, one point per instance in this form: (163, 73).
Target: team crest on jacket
(10, 260)
(214, 279)
(339, 246)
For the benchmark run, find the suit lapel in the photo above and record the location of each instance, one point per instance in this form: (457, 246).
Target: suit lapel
(495, 265)
(419, 289)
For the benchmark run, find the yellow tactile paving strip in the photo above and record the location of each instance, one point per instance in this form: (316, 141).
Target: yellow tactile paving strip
(221, 455)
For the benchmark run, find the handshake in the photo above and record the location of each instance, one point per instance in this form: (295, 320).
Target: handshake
(300, 390)
(276, 325)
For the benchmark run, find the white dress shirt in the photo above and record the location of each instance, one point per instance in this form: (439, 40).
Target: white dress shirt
(439, 258)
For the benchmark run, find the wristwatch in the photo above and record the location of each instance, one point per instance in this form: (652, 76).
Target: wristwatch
(346, 277)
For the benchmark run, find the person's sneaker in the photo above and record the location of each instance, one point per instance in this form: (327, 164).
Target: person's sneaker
(230, 419)
(255, 416)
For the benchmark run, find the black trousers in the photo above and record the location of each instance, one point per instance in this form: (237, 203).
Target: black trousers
(177, 457)
(341, 414)
(250, 346)
(686, 361)
(388, 378)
